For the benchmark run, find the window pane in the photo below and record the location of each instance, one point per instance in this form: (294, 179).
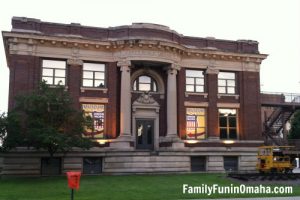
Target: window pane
(93, 66)
(144, 79)
(223, 133)
(231, 90)
(190, 81)
(49, 80)
(59, 81)
(226, 111)
(60, 73)
(99, 83)
(47, 72)
(144, 87)
(54, 64)
(88, 75)
(99, 75)
(199, 81)
(87, 83)
(199, 89)
(232, 122)
(226, 75)
(194, 73)
(222, 122)
(189, 88)
(96, 112)
(221, 83)
(230, 83)
(200, 121)
(154, 87)
(195, 123)
(221, 90)
(200, 133)
(232, 133)
(190, 133)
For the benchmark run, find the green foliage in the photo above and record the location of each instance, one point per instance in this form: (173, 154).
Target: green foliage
(295, 128)
(45, 119)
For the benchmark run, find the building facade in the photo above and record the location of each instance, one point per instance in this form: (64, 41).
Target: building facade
(160, 101)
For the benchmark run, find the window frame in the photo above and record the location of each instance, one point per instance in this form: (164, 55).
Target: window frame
(195, 81)
(226, 86)
(205, 121)
(228, 126)
(53, 71)
(93, 71)
(136, 83)
(104, 123)
(226, 160)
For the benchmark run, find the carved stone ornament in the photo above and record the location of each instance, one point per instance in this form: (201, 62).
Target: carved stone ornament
(146, 98)
(211, 70)
(74, 62)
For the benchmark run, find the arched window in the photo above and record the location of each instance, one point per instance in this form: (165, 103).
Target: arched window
(145, 83)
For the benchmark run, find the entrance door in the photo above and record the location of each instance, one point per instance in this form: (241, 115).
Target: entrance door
(144, 134)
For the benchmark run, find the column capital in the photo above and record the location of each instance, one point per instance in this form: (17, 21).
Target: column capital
(173, 68)
(211, 70)
(75, 62)
(124, 63)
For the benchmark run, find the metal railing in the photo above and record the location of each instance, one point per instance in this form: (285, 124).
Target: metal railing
(287, 97)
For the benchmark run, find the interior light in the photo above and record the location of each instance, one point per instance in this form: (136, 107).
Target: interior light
(228, 141)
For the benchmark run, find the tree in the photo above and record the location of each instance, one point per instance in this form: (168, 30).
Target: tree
(45, 119)
(295, 127)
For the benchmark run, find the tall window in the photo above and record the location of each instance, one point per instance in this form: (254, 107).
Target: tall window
(54, 72)
(194, 81)
(145, 83)
(228, 123)
(195, 123)
(94, 112)
(226, 83)
(93, 75)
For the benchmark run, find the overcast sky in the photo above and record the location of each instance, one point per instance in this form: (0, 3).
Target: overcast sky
(275, 24)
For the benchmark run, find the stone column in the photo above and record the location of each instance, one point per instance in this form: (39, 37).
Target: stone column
(125, 137)
(125, 109)
(172, 133)
(172, 102)
(212, 110)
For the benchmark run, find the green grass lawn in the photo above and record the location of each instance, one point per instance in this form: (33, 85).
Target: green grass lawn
(133, 187)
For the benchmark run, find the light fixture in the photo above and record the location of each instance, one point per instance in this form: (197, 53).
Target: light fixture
(228, 141)
(191, 141)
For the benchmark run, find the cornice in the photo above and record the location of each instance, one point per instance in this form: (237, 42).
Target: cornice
(32, 40)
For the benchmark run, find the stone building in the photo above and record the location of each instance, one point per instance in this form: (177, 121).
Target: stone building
(160, 101)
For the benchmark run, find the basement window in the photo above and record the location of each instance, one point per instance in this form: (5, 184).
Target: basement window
(198, 163)
(50, 166)
(92, 165)
(231, 163)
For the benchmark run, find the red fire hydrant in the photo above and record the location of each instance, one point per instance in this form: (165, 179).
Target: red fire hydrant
(73, 181)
